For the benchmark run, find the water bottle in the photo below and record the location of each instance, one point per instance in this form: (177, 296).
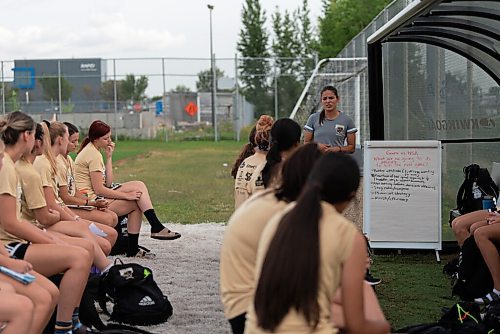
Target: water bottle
(488, 203)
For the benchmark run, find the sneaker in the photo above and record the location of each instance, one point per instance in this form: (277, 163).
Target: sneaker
(372, 280)
(488, 299)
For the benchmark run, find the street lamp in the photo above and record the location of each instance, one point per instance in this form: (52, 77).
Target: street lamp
(214, 78)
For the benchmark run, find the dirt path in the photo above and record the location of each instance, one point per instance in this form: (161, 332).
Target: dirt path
(187, 271)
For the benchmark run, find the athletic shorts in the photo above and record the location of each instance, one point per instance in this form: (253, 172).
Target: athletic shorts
(17, 250)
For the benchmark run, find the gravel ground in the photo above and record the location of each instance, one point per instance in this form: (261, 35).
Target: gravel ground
(187, 271)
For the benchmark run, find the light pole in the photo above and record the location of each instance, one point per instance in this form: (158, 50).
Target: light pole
(214, 78)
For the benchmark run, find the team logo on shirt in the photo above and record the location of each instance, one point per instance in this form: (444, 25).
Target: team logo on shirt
(19, 192)
(339, 129)
(70, 182)
(259, 182)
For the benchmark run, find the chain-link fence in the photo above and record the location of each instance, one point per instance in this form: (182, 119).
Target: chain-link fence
(429, 93)
(165, 86)
(349, 76)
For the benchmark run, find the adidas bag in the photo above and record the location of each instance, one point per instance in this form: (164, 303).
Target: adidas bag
(136, 297)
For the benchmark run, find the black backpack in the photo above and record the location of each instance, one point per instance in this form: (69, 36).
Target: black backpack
(477, 184)
(473, 279)
(131, 289)
(492, 316)
(121, 245)
(461, 318)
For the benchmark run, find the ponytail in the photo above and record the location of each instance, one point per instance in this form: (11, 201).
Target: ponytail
(285, 134)
(86, 140)
(279, 288)
(321, 116)
(246, 151)
(47, 147)
(273, 158)
(289, 278)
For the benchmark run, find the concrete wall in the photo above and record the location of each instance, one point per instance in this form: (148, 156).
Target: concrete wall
(136, 125)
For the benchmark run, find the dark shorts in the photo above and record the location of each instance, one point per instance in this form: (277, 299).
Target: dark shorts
(238, 324)
(17, 249)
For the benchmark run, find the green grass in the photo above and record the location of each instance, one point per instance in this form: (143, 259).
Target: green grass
(414, 288)
(189, 184)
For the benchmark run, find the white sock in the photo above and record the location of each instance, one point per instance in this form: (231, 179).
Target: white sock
(496, 291)
(105, 270)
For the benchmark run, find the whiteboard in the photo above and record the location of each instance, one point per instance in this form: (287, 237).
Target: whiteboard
(402, 194)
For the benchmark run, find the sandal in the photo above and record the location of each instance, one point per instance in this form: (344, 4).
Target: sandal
(489, 298)
(165, 234)
(144, 253)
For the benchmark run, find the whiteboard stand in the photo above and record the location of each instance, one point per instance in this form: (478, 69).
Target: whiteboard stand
(402, 194)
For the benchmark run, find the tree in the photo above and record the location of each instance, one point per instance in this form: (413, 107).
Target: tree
(253, 42)
(156, 98)
(133, 89)
(50, 88)
(107, 90)
(342, 20)
(181, 89)
(285, 44)
(307, 39)
(12, 98)
(204, 83)
(286, 50)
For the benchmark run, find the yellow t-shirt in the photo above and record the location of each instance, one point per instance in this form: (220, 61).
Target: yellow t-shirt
(239, 250)
(33, 196)
(49, 178)
(66, 170)
(10, 185)
(244, 175)
(87, 161)
(336, 236)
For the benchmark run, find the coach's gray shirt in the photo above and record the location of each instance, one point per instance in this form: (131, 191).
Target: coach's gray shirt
(332, 132)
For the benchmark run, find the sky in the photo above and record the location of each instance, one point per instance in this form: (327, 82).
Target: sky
(44, 29)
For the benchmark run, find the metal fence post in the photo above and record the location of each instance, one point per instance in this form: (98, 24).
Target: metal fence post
(214, 97)
(164, 97)
(3, 90)
(115, 98)
(59, 85)
(237, 110)
(275, 91)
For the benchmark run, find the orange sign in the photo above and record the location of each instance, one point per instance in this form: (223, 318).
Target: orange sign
(191, 109)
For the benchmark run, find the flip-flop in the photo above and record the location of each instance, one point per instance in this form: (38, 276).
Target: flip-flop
(144, 253)
(165, 234)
